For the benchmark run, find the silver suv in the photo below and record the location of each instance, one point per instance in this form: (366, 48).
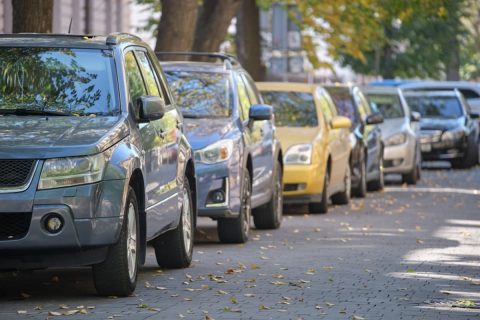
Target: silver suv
(93, 160)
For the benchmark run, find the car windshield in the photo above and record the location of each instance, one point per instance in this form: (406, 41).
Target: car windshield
(387, 104)
(436, 106)
(292, 109)
(201, 94)
(57, 81)
(344, 102)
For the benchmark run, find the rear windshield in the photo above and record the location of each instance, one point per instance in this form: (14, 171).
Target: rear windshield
(201, 94)
(71, 81)
(436, 107)
(292, 109)
(344, 103)
(387, 104)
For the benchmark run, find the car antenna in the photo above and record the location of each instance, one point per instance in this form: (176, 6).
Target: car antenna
(70, 26)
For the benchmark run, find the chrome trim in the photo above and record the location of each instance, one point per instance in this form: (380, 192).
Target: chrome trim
(162, 202)
(227, 197)
(26, 185)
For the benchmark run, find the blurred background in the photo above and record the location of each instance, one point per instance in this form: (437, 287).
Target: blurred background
(295, 40)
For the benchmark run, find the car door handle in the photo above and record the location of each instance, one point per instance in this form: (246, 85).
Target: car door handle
(162, 134)
(261, 132)
(179, 125)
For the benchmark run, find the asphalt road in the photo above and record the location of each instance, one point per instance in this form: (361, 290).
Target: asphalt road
(405, 253)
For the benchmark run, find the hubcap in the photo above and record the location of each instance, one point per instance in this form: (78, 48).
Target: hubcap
(187, 222)
(246, 207)
(132, 242)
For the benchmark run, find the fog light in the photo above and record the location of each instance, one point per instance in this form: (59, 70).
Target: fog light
(218, 196)
(54, 223)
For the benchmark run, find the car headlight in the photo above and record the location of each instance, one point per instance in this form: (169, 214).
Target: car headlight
(62, 172)
(299, 154)
(396, 139)
(452, 135)
(217, 152)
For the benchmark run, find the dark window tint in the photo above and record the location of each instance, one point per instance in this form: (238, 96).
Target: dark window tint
(76, 81)
(148, 74)
(292, 109)
(388, 105)
(201, 94)
(438, 107)
(344, 103)
(469, 94)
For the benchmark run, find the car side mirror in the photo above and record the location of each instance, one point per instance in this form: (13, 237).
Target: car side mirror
(340, 122)
(415, 116)
(374, 118)
(474, 115)
(151, 108)
(260, 112)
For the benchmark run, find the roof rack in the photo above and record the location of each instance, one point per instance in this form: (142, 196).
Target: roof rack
(228, 59)
(45, 35)
(113, 38)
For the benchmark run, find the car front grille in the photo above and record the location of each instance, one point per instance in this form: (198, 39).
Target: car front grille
(430, 136)
(15, 173)
(14, 225)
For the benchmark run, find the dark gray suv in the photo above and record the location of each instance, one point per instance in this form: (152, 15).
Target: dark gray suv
(93, 160)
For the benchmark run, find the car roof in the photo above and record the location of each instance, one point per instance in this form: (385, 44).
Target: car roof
(442, 85)
(379, 90)
(66, 40)
(286, 86)
(430, 93)
(217, 67)
(393, 82)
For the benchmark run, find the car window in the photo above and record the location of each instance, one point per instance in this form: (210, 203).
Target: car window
(243, 99)
(387, 104)
(327, 108)
(469, 94)
(292, 109)
(67, 80)
(344, 103)
(201, 94)
(148, 74)
(252, 92)
(436, 106)
(364, 105)
(136, 86)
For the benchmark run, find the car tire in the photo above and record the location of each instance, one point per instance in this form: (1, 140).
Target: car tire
(321, 207)
(236, 230)
(270, 215)
(411, 177)
(117, 275)
(174, 249)
(343, 197)
(379, 183)
(361, 190)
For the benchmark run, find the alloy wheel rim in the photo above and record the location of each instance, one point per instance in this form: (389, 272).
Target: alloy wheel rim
(348, 182)
(187, 222)
(132, 242)
(246, 206)
(279, 196)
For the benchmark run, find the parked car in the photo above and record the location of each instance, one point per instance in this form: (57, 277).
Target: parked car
(402, 153)
(93, 163)
(239, 162)
(448, 130)
(366, 138)
(316, 141)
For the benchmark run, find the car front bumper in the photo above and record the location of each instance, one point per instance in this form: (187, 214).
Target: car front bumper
(400, 159)
(302, 183)
(444, 150)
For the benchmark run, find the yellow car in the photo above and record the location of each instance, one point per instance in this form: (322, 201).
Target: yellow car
(316, 141)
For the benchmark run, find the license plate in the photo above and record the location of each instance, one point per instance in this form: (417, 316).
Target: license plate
(426, 147)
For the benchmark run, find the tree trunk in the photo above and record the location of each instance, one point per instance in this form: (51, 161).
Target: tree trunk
(32, 16)
(213, 21)
(177, 26)
(248, 39)
(452, 65)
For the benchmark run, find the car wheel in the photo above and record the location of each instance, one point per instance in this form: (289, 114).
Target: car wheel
(117, 275)
(379, 183)
(174, 249)
(236, 230)
(412, 176)
(361, 190)
(270, 215)
(321, 207)
(344, 196)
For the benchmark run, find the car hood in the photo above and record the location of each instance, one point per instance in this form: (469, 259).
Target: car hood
(441, 123)
(41, 137)
(290, 136)
(391, 126)
(203, 132)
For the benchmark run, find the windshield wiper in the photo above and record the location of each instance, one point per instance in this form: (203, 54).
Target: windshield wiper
(29, 112)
